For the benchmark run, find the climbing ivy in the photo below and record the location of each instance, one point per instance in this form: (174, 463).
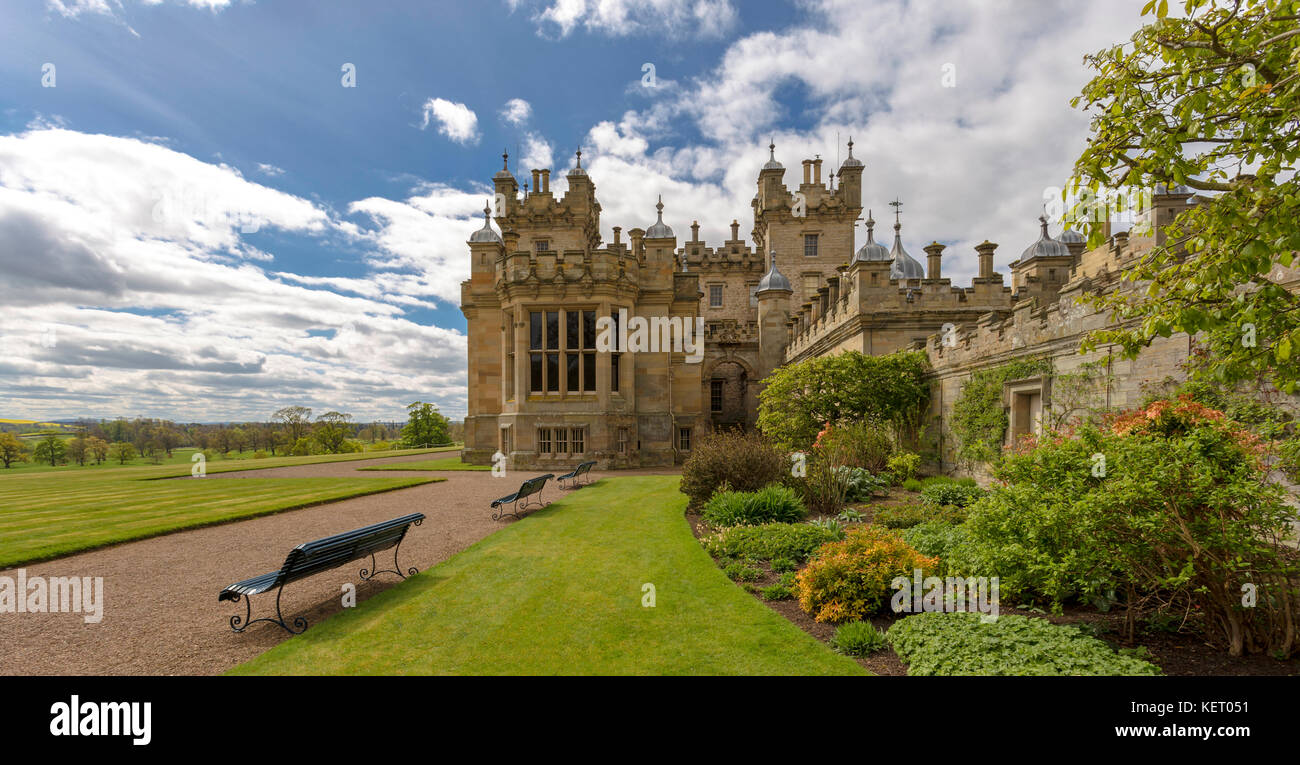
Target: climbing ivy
(978, 420)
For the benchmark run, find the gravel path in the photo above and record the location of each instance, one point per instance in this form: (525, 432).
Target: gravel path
(161, 615)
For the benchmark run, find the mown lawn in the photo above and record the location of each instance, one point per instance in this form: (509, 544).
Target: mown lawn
(45, 515)
(446, 463)
(560, 592)
(181, 459)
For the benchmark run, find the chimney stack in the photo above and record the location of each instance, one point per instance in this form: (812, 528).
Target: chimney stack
(933, 252)
(546, 181)
(807, 171)
(817, 170)
(618, 230)
(695, 231)
(735, 230)
(537, 181)
(985, 250)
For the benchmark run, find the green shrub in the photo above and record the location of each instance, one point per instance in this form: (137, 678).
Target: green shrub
(907, 516)
(260, 455)
(737, 508)
(850, 579)
(962, 644)
(777, 592)
(782, 565)
(951, 494)
(861, 483)
(902, 466)
(792, 542)
(799, 399)
(912, 484)
(1288, 458)
(937, 539)
(1181, 512)
(740, 572)
(731, 459)
(860, 445)
(858, 639)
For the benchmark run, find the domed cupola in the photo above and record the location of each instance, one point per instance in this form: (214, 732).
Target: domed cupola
(852, 161)
(904, 265)
(1070, 236)
(486, 234)
(1046, 246)
(872, 250)
(772, 164)
(659, 230)
(774, 279)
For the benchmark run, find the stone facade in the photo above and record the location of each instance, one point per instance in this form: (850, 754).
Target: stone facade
(547, 394)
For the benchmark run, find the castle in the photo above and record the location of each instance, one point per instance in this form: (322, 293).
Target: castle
(547, 393)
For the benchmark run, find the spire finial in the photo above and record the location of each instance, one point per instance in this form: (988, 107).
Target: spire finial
(487, 211)
(1042, 219)
(505, 160)
(850, 147)
(771, 149)
(897, 205)
(660, 208)
(579, 158)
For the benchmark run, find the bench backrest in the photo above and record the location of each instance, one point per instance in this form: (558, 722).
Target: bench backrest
(584, 468)
(331, 552)
(533, 485)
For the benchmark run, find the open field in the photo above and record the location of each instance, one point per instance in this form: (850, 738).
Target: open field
(561, 592)
(44, 516)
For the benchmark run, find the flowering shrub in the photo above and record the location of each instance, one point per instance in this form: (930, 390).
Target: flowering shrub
(903, 466)
(1165, 508)
(850, 579)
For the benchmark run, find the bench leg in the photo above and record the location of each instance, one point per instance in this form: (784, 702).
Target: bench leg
(239, 625)
(368, 574)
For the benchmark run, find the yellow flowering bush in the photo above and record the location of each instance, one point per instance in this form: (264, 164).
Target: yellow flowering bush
(851, 579)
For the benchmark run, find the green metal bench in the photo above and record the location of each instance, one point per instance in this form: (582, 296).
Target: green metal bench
(321, 555)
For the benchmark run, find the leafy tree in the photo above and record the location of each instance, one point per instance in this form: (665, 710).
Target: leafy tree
(12, 449)
(98, 448)
(332, 431)
(425, 425)
(1211, 101)
(50, 449)
(77, 451)
(122, 451)
(295, 419)
(849, 387)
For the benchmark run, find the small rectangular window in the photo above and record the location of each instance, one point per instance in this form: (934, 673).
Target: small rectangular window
(684, 439)
(589, 372)
(571, 368)
(572, 341)
(613, 371)
(552, 330)
(578, 439)
(535, 331)
(810, 245)
(622, 440)
(715, 395)
(544, 440)
(589, 330)
(561, 441)
(715, 296)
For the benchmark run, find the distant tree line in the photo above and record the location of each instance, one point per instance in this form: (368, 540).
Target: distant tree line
(290, 431)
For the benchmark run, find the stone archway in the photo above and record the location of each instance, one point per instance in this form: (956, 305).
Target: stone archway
(728, 394)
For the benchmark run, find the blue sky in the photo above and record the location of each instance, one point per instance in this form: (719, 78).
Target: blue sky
(198, 221)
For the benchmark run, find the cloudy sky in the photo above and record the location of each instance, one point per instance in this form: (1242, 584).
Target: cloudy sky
(210, 209)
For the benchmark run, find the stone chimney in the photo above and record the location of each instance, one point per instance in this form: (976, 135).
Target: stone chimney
(735, 230)
(985, 250)
(817, 170)
(546, 181)
(537, 180)
(618, 232)
(695, 231)
(933, 255)
(807, 172)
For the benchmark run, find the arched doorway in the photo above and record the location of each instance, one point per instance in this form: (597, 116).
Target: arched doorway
(727, 395)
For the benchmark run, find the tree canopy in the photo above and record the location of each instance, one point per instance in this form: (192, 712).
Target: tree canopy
(1208, 100)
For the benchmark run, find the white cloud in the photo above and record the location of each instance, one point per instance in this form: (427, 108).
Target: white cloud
(618, 18)
(269, 170)
(74, 8)
(517, 111)
(133, 256)
(456, 121)
(538, 152)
